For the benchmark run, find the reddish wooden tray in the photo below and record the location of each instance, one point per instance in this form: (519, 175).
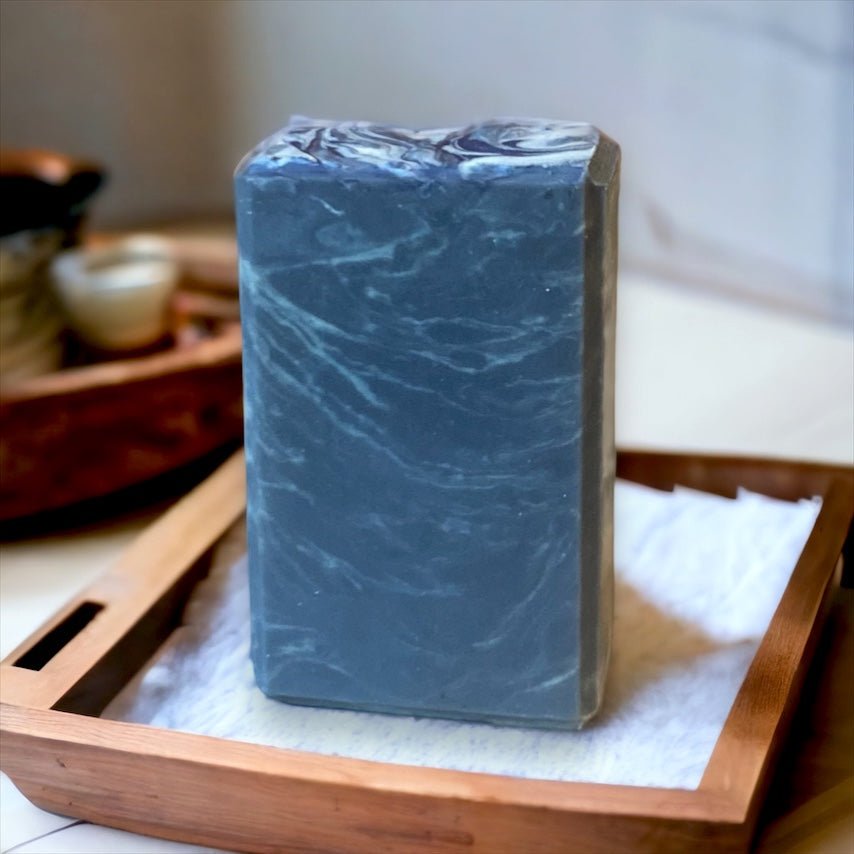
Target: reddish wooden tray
(241, 796)
(85, 432)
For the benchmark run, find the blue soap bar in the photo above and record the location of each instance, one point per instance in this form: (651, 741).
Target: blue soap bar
(428, 326)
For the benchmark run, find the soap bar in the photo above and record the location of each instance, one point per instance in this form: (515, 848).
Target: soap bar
(428, 326)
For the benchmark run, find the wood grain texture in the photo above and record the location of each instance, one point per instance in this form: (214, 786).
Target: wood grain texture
(163, 782)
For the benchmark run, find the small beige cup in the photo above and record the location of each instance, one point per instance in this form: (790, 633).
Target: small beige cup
(116, 297)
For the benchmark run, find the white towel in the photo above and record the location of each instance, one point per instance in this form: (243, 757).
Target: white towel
(698, 580)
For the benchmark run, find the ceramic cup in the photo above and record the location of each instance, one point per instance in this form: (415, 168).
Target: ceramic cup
(116, 297)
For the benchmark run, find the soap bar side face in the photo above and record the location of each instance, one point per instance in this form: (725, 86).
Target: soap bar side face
(599, 453)
(416, 405)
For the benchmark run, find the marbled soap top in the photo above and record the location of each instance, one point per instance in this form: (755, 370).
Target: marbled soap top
(491, 148)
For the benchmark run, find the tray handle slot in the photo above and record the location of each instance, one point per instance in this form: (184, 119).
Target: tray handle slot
(90, 693)
(44, 649)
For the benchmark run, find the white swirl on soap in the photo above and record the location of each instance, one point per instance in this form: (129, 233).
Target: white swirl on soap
(497, 145)
(520, 143)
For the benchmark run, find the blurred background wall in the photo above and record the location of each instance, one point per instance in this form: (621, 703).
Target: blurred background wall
(735, 118)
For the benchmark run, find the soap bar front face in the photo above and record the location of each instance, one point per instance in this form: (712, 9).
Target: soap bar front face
(428, 356)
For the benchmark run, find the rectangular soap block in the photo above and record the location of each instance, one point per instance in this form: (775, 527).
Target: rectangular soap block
(428, 356)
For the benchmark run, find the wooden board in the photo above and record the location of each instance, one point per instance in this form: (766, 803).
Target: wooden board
(166, 783)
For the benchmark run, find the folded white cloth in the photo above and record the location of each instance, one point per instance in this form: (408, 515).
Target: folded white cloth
(698, 580)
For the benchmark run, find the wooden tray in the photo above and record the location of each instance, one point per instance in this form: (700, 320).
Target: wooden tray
(85, 432)
(248, 797)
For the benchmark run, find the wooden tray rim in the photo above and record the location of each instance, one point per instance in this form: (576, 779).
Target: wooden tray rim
(729, 791)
